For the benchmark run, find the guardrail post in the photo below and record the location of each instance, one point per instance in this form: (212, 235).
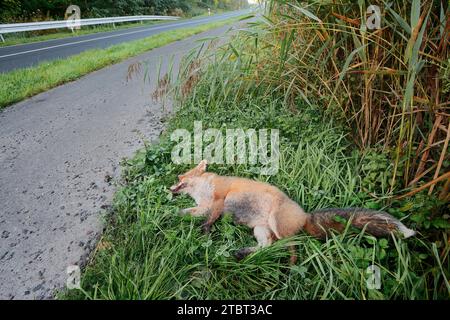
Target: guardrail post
(1, 37)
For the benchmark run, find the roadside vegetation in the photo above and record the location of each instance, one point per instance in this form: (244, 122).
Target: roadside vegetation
(24, 83)
(358, 121)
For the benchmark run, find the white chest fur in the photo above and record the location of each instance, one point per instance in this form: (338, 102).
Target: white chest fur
(202, 191)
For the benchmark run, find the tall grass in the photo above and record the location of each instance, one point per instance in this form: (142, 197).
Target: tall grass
(385, 83)
(149, 251)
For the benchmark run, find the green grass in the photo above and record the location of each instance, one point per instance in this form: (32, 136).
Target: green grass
(150, 252)
(23, 83)
(29, 37)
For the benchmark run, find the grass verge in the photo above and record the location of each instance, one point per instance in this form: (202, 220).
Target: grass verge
(150, 252)
(20, 84)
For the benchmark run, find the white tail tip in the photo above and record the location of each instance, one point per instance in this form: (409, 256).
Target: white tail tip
(406, 231)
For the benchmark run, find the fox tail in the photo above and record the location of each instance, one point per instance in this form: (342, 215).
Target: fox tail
(376, 223)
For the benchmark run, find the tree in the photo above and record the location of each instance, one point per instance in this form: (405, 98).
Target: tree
(19, 10)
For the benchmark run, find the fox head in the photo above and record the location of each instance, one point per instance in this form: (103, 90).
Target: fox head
(186, 180)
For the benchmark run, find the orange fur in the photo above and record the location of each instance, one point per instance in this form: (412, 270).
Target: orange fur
(266, 209)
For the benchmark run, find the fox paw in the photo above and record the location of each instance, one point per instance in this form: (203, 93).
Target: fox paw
(206, 228)
(183, 212)
(241, 254)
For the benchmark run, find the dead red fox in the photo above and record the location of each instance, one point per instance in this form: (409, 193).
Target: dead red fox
(271, 213)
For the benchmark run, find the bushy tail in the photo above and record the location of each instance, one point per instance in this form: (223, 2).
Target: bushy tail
(376, 223)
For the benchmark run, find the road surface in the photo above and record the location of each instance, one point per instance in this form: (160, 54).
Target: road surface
(58, 151)
(26, 55)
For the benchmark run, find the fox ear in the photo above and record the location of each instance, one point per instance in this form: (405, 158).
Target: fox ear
(202, 166)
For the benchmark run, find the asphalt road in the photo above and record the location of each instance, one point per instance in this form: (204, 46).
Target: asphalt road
(58, 152)
(26, 55)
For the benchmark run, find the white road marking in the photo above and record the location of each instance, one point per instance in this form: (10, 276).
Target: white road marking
(90, 40)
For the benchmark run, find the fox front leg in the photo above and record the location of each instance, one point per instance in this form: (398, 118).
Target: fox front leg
(195, 211)
(215, 212)
(264, 237)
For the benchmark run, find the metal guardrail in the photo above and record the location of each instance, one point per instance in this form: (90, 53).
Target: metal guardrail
(33, 26)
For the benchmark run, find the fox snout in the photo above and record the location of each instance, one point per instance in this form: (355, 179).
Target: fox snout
(185, 180)
(176, 188)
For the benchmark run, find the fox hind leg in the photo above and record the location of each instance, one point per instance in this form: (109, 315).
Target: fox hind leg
(264, 237)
